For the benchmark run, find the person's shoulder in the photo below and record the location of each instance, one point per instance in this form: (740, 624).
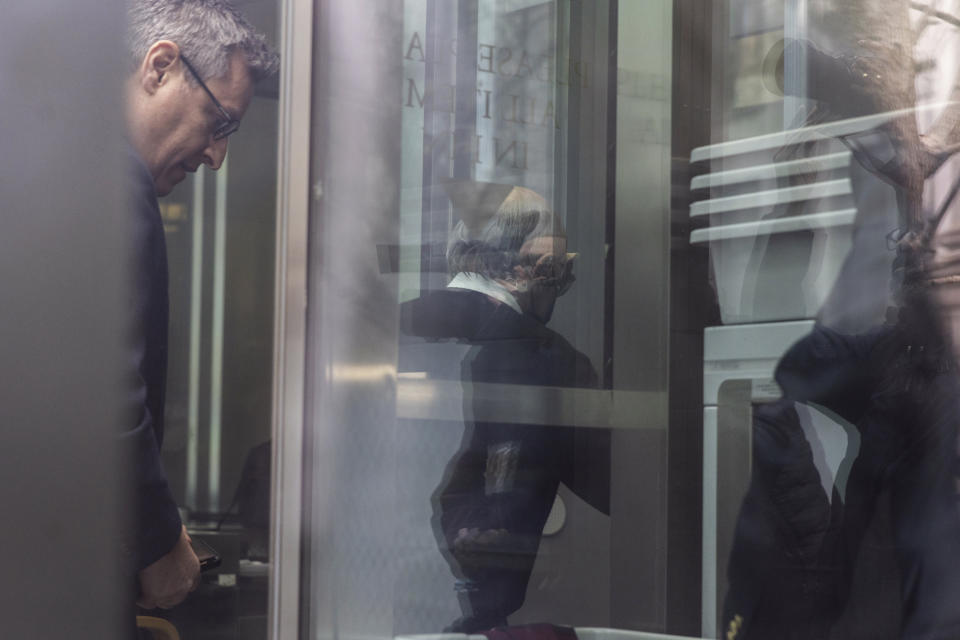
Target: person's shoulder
(445, 313)
(572, 365)
(542, 355)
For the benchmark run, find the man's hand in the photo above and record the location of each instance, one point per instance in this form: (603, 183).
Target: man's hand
(166, 582)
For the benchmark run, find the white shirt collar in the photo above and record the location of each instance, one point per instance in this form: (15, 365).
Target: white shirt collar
(486, 286)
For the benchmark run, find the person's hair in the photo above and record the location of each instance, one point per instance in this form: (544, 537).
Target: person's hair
(493, 249)
(208, 32)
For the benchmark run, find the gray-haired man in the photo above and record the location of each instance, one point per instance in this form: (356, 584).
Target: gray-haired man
(193, 64)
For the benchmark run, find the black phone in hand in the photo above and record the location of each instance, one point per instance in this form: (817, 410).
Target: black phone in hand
(208, 557)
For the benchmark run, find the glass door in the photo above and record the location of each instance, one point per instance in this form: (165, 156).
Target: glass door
(487, 377)
(589, 314)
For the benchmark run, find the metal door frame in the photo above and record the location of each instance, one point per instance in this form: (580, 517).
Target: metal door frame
(293, 204)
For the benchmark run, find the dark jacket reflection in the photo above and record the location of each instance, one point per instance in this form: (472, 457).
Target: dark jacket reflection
(497, 491)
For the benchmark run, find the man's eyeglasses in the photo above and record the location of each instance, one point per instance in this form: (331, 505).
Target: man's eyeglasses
(227, 125)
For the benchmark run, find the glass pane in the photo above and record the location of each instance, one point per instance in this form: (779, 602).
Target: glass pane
(632, 317)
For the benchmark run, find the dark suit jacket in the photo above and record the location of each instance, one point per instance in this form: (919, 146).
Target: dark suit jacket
(156, 522)
(505, 475)
(796, 558)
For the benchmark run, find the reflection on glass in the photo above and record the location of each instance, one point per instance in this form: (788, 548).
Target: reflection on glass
(488, 319)
(850, 527)
(508, 265)
(746, 398)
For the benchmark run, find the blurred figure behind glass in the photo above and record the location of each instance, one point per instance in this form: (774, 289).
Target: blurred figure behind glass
(872, 551)
(509, 264)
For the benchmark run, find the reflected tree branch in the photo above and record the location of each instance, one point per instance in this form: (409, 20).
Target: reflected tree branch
(935, 13)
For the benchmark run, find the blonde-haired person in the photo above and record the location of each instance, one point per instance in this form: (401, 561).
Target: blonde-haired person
(508, 264)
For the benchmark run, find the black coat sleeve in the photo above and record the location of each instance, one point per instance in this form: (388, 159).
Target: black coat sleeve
(155, 520)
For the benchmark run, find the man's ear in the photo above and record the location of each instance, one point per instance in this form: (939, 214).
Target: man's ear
(161, 60)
